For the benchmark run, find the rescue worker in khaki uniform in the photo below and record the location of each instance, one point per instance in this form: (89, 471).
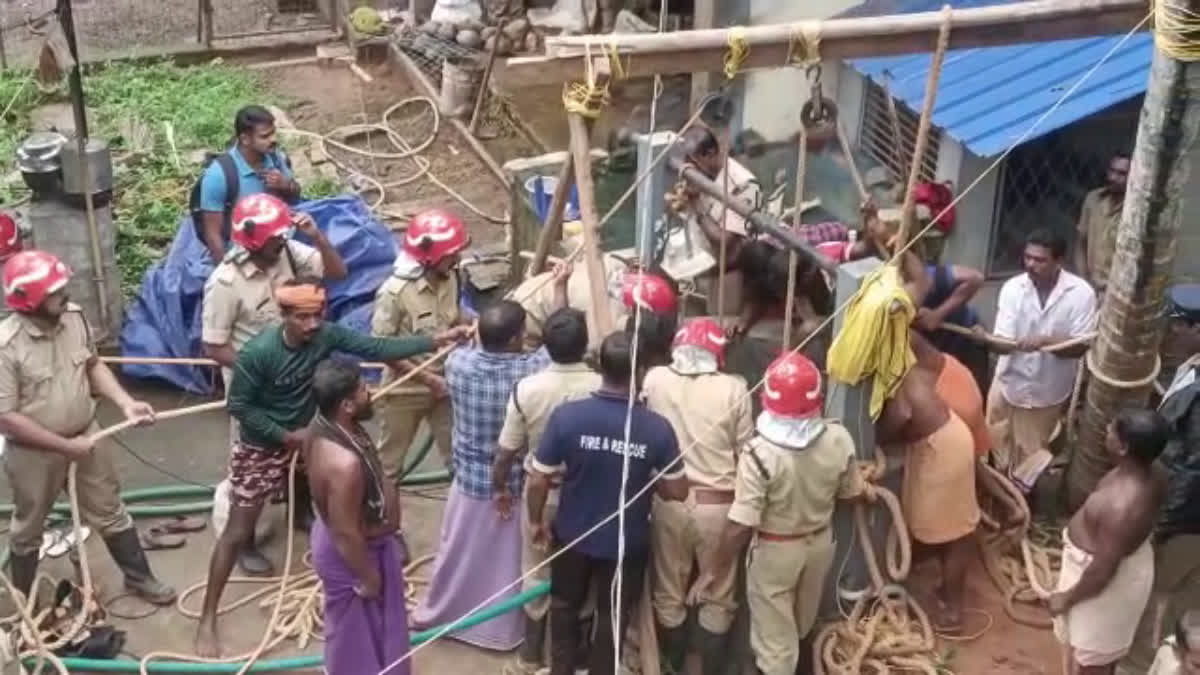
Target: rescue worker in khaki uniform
(533, 398)
(710, 413)
(658, 319)
(789, 477)
(420, 298)
(239, 296)
(538, 296)
(49, 376)
(239, 302)
(711, 221)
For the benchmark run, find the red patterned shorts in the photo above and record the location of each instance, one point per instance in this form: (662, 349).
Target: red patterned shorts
(258, 474)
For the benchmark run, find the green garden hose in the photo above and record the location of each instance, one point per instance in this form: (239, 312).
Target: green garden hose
(295, 663)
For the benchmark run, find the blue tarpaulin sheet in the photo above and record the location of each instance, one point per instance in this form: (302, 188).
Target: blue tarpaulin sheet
(164, 319)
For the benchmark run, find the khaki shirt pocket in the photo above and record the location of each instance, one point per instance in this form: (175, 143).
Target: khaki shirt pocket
(35, 384)
(425, 323)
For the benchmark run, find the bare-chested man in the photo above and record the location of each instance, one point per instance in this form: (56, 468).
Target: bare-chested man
(938, 493)
(1107, 561)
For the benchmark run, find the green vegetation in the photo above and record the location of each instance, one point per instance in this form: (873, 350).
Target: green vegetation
(153, 175)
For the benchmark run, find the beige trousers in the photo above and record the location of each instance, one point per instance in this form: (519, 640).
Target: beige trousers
(400, 417)
(37, 478)
(1018, 433)
(784, 581)
(682, 534)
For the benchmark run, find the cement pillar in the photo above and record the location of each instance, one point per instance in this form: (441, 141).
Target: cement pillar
(851, 406)
(650, 192)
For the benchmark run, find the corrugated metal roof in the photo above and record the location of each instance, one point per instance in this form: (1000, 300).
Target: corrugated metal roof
(988, 97)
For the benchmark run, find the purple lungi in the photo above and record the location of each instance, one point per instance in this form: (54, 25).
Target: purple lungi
(362, 636)
(479, 553)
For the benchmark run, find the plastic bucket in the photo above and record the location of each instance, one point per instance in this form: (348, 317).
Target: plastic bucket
(460, 79)
(541, 192)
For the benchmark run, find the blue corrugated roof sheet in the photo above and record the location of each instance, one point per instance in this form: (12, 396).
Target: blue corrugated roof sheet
(988, 97)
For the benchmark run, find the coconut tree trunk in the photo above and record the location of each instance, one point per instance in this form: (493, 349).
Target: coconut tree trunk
(1131, 321)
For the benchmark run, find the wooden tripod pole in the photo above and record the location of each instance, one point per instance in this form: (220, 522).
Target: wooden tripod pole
(552, 229)
(600, 323)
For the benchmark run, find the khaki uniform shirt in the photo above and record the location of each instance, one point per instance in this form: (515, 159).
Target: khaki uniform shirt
(711, 418)
(415, 307)
(536, 296)
(1098, 221)
(535, 397)
(239, 296)
(742, 185)
(793, 492)
(44, 373)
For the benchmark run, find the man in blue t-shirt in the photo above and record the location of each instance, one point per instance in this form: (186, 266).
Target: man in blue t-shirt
(950, 292)
(585, 441)
(260, 166)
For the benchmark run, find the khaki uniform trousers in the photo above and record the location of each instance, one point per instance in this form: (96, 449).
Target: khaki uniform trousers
(38, 478)
(784, 580)
(531, 556)
(682, 533)
(400, 418)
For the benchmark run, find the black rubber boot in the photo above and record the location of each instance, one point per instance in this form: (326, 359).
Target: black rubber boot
(714, 652)
(672, 646)
(127, 552)
(22, 569)
(532, 655)
(583, 657)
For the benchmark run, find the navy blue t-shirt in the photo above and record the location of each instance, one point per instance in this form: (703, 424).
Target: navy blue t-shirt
(587, 436)
(939, 292)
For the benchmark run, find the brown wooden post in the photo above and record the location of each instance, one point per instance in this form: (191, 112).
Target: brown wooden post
(552, 229)
(602, 323)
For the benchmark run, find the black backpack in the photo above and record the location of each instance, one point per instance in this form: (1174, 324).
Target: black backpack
(225, 161)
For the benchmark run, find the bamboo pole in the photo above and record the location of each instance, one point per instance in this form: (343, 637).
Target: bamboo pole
(487, 74)
(705, 50)
(602, 320)
(801, 167)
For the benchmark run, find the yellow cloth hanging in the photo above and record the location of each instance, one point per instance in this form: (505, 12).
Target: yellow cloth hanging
(873, 341)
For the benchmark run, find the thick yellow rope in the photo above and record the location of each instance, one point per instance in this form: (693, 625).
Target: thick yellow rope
(1176, 30)
(804, 44)
(590, 97)
(739, 49)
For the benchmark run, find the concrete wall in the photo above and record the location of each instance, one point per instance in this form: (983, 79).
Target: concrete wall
(773, 97)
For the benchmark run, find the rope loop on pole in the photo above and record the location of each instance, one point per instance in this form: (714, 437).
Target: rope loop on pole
(1177, 31)
(739, 49)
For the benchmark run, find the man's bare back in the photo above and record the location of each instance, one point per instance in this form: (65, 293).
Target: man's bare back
(915, 412)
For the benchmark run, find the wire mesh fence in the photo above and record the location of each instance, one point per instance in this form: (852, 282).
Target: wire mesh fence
(114, 28)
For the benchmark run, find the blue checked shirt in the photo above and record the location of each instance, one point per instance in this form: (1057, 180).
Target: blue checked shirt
(480, 383)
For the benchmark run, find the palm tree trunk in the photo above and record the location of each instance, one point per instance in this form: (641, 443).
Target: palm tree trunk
(1131, 321)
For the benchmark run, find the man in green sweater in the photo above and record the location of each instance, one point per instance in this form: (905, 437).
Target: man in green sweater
(271, 399)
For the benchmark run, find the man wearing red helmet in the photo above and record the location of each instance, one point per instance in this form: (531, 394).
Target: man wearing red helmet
(49, 376)
(421, 297)
(10, 237)
(686, 393)
(789, 477)
(541, 295)
(239, 296)
(658, 319)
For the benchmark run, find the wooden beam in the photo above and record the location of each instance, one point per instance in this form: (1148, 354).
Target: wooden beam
(600, 324)
(704, 50)
(552, 229)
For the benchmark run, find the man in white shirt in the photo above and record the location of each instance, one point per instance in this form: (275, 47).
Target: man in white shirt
(1041, 307)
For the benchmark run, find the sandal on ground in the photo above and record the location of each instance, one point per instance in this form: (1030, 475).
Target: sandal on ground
(182, 524)
(157, 538)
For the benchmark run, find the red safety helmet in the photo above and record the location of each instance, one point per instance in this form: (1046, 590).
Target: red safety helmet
(31, 276)
(258, 218)
(704, 333)
(939, 199)
(792, 387)
(10, 237)
(434, 234)
(650, 291)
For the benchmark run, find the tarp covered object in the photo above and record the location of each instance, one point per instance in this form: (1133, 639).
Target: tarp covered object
(164, 319)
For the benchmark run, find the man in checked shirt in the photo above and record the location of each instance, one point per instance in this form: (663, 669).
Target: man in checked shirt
(480, 550)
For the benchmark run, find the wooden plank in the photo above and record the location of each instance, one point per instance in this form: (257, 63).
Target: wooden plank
(704, 50)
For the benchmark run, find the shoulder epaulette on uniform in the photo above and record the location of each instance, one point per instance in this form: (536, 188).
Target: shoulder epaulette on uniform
(225, 273)
(9, 327)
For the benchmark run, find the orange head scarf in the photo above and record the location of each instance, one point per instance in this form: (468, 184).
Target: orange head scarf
(303, 297)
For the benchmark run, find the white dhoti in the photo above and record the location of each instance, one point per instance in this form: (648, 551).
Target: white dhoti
(1100, 630)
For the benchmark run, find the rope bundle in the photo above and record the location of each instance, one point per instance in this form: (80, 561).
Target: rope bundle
(1177, 31)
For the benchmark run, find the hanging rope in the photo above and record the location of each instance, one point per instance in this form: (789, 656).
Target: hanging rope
(801, 165)
(931, 86)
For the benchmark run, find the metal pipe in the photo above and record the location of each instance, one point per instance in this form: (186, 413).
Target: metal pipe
(280, 31)
(75, 81)
(760, 220)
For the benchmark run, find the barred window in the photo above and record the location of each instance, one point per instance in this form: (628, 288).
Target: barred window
(878, 140)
